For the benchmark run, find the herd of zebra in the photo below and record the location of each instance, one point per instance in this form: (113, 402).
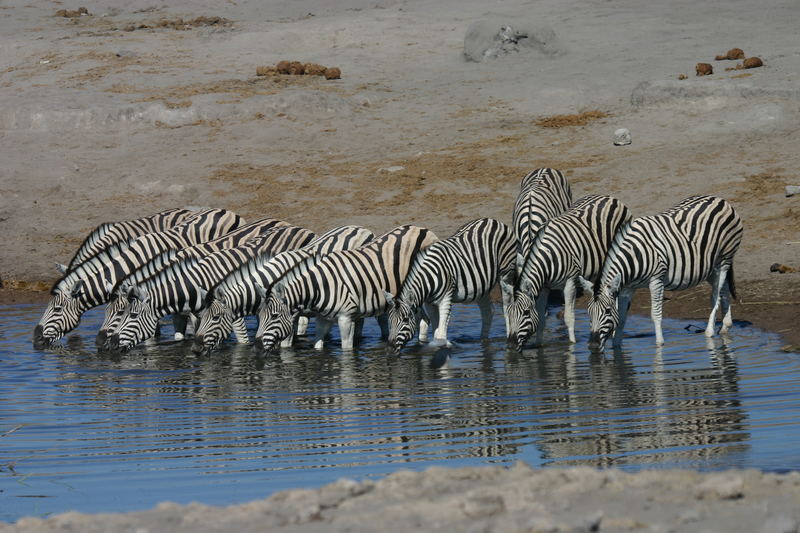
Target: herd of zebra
(210, 267)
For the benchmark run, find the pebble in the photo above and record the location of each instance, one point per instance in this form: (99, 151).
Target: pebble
(791, 190)
(622, 137)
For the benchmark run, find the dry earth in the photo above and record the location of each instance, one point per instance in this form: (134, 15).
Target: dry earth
(137, 106)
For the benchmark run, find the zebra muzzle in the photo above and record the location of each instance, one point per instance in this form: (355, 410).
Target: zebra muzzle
(39, 340)
(101, 339)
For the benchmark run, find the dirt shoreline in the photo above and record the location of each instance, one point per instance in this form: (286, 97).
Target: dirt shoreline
(497, 499)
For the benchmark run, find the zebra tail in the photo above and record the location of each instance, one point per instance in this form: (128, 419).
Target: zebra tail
(732, 284)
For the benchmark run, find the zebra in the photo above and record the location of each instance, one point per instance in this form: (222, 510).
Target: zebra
(544, 194)
(116, 306)
(91, 282)
(183, 285)
(689, 243)
(109, 233)
(342, 286)
(462, 268)
(241, 292)
(570, 247)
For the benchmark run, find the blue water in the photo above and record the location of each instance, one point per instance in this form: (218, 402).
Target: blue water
(94, 433)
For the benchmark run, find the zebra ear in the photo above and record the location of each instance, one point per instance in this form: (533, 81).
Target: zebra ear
(108, 286)
(389, 298)
(261, 290)
(507, 282)
(615, 284)
(77, 289)
(137, 293)
(587, 285)
(61, 267)
(204, 295)
(279, 291)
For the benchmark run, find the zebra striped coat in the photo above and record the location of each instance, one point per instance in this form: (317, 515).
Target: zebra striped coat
(126, 232)
(91, 282)
(115, 308)
(462, 268)
(183, 285)
(241, 292)
(692, 242)
(544, 194)
(570, 246)
(342, 286)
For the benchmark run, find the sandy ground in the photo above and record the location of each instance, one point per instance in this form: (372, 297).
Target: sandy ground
(138, 106)
(487, 499)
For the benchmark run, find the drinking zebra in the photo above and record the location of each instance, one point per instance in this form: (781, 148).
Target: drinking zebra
(544, 194)
(89, 284)
(692, 242)
(342, 286)
(569, 247)
(462, 268)
(116, 306)
(183, 285)
(242, 291)
(125, 231)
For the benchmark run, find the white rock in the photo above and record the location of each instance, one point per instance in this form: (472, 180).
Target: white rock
(791, 190)
(622, 137)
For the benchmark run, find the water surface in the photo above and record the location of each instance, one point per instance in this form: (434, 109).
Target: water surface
(94, 433)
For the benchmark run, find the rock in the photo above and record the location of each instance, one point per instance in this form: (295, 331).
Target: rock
(783, 269)
(282, 67)
(733, 53)
(682, 76)
(722, 487)
(791, 190)
(703, 69)
(779, 524)
(752, 62)
(296, 68)
(622, 137)
(333, 73)
(497, 37)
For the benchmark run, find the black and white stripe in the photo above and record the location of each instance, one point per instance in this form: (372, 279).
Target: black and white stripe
(115, 308)
(91, 282)
(569, 247)
(694, 241)
(241, 292)
(343, 286)
(183, 285)
(544, 194)
(125, 231)
(462, 268)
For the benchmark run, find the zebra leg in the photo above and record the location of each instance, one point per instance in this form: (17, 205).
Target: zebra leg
(623, 304)
(289, 339)
(358, 334)
(487, 312)
(302, 326)
(727, 318)
(541, 311)
(444, 319)
(569, 308)
(323, 327)
(718, 279)
(346, 332)
(240, 331)
(657, 307)
(383, 323)
(508, 298)
(432, 323)
(180, 322)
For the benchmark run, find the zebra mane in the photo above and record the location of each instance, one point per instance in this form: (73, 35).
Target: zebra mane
(240, 275)
(534, 248)
(95, 235)
(151, 267)
(613, 250)
(89, 266)
(413, 271)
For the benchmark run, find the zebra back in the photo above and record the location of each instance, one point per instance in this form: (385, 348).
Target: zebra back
(574, 243)
(544, 194)
(125, 232)
(468, 263)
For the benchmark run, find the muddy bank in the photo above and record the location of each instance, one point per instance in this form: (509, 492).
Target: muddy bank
(481, 499)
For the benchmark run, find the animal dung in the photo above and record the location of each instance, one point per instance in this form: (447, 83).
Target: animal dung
(703, 69)
(81, 11)
(333, 73)
(682, 76)
(752, 62)
(733, 53)
(783, 269)
(297, 68)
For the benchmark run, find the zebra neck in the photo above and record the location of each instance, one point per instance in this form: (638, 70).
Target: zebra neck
(424, 281)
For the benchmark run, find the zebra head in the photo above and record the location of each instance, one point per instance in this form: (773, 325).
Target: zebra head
(522, 320)
(403, 320)
(139, 322)
(115, 310)
(604, 312)
(216, 322)
(62, 315)
(275, 319)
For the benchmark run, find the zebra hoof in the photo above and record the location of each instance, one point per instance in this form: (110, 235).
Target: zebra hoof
(179, 336)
